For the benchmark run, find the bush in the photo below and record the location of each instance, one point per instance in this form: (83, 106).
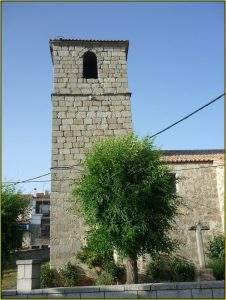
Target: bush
(116, 271)
(182, 269)
(105, 278)
(215, 248)
(171, 269)
(69, 275)
(159, 269)
(48, 276)
(216, 256)
(218, 266)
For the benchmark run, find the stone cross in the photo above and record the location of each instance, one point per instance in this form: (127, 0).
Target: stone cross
(198, 232)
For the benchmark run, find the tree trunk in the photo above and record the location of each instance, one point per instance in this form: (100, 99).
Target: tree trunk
(131, 271)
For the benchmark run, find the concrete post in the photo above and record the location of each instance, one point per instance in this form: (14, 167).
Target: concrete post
(28, 274)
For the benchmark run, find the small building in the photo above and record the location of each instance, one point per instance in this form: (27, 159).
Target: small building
(37, 225)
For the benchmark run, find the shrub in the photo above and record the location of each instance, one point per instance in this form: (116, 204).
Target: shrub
(215, 248)
(105, 278)
(116, 271)
(159, 269)
(69, 275)
(216, 256)
(182, 269)
(164, 268)
(48, 276)
(218, 266)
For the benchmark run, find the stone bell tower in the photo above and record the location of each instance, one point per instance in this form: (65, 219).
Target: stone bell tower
(90, 101)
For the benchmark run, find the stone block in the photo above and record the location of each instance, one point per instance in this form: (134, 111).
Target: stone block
(167, 294)
(92, 295)
(201, 293)
(125, 294)
(163, 286)
(28, 275)
(59, 295)
(72, 295)
(147, 294)
(218, 293)
(8, 292)
(20, 271)
(187, 285)
(28, 271)
(136, 287)
(184, 293)
(212, 284)
(24, 284)
(107, 288)
(81, 289)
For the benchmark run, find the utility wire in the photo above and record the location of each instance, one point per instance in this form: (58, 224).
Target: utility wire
(30, 179)
(159, 132)
(187, 116)
(174, 170)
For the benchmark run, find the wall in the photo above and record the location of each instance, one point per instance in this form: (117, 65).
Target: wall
(199, 191)
(220, 189)
(195, 290)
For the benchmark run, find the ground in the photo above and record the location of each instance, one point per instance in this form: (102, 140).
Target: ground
(9, 279)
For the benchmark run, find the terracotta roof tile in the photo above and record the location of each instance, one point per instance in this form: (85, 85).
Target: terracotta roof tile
(179, 156)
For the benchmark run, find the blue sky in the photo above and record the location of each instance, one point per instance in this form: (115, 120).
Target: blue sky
(175, 64)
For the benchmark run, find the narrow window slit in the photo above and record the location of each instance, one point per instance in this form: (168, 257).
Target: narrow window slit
(89, 65)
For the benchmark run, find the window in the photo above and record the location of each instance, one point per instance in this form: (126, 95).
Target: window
(89, 65)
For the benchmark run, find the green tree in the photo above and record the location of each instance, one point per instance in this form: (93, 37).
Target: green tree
(13, 206)
(129, 193)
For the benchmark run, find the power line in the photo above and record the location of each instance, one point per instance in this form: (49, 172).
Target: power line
(30, 179)
(187, 116)
(161, 131)
(175, 170)
(16, 182)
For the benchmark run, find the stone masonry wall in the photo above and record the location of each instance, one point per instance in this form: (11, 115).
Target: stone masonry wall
(84, 111)
(197, 186)
(166, 290)
(68, 68)
(220, 189)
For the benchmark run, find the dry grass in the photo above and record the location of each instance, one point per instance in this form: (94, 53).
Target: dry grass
(9, 279)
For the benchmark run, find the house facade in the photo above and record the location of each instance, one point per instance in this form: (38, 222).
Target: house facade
(37, 224)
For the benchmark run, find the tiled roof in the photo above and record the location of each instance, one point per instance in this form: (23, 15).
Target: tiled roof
(42, 195)
(87, 40)
(179, 156)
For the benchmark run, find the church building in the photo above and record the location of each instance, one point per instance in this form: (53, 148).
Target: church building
(90, 102)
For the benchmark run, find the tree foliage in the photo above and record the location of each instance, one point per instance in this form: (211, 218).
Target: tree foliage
(128, 193)
(98, 251)
(13, 206)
